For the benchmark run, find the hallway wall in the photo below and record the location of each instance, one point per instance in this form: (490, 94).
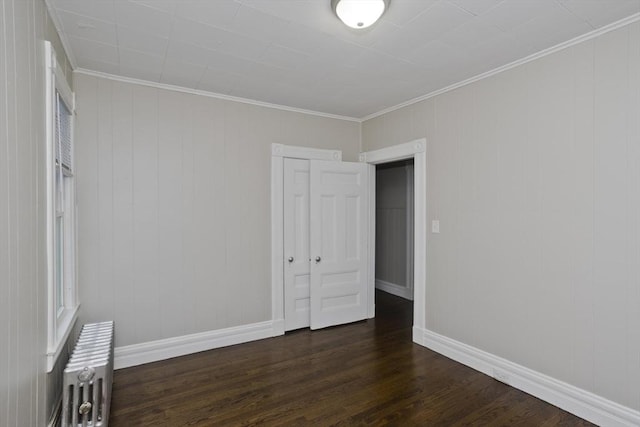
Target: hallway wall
(393, 267)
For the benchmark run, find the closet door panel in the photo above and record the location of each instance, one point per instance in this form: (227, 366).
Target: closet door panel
(296, 244)
(339, 227)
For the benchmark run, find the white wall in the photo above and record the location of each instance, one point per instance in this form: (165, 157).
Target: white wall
(27, 393)
(534, 174)
(174, 202)
(392, 202)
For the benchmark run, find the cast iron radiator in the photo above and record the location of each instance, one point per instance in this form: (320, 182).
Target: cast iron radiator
(88, 378)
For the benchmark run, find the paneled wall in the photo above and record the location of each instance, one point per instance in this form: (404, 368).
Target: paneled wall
(393, 199)
(534, 174)
(25, 396)
(174, 205)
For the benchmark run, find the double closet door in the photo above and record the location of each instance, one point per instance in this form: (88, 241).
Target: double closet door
(325, 242)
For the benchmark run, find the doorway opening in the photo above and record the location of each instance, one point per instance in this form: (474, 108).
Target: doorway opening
(394, 228)
(415, 150)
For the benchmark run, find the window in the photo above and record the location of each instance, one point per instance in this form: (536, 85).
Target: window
(61, 222)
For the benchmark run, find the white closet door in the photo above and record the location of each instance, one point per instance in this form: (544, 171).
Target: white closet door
(339, 230)
(296, 244)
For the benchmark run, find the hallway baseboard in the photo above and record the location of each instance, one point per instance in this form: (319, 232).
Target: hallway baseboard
(393, 289)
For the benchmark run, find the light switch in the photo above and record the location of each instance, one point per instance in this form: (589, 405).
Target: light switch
(435, 226)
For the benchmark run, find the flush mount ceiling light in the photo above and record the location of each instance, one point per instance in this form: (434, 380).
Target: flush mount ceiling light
(359, 13)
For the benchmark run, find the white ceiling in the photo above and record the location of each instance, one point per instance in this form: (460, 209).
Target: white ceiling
(296, 53)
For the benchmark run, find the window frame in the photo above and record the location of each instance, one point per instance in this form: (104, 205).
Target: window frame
(61, 315)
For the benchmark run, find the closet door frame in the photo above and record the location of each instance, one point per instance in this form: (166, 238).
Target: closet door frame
(278, 153)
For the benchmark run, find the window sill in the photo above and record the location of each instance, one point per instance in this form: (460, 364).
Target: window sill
(63, 330)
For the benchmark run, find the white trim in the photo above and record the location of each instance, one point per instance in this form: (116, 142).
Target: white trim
(53, 347)
(277, 240)
(278, 153)
(396, 152)
(415, 149)
(66, 326)
(153, 351)
(63, 87)
(564, 45)
(212, 94)
(371, 253)
(420, 239)
(394, 289)
(59, 324)
(291, 151)
(580, 402)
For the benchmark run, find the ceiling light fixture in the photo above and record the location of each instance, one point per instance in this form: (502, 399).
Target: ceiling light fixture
(359, 14)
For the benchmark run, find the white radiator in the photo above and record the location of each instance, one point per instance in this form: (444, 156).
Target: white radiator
(88, 378)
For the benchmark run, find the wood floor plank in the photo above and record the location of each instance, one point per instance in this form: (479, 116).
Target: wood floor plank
(366, 373)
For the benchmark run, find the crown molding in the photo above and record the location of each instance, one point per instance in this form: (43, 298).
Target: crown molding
(564, 45)
(212, 95)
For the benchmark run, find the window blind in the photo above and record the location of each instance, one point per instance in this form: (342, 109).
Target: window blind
(63, 134)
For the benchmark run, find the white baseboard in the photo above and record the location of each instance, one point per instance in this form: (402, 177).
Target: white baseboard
(278, 327)
(418, 337)
(153, 351)
(580, 402)
(393, 289)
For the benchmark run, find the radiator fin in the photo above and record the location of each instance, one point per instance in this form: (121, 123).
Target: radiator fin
(88, 378)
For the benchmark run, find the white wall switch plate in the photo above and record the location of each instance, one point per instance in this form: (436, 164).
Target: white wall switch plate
(435, 226)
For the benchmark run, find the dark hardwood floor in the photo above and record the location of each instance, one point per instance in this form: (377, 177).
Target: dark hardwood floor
(366, 373)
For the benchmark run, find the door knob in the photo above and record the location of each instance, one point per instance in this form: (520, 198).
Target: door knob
(318, 259)
(290, 259)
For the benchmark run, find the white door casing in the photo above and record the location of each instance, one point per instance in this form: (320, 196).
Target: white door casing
(296, 244)
(339, 202)
(417, 150)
